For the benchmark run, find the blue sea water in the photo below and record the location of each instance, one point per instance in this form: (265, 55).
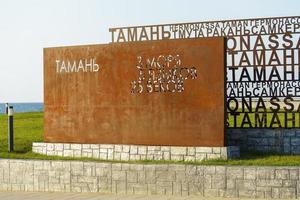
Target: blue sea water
(23, 107)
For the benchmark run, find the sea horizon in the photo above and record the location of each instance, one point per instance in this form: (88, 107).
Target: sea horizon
(24, 107)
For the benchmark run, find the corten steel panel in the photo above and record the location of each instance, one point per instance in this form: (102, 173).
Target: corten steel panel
(98, 107)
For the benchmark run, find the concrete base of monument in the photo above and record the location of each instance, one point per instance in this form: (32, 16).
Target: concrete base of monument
(135, 152)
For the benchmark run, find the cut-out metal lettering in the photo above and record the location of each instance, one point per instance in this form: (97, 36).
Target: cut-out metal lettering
(162, 73)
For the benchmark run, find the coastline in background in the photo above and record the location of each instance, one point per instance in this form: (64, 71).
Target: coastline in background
(23, 107)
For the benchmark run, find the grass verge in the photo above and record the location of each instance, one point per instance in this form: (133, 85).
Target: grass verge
(28, 128)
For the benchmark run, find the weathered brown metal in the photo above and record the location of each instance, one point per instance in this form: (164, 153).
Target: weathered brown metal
(100, 106)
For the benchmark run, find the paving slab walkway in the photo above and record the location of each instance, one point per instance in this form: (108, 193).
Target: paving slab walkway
(92, 196)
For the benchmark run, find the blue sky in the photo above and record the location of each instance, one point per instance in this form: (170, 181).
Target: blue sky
(27, 26)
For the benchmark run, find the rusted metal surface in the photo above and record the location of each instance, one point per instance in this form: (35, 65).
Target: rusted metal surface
(108, 106)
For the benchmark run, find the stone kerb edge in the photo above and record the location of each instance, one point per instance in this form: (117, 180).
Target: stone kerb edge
(135, 152)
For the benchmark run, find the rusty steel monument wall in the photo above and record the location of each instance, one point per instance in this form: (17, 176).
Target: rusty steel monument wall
(152, 93)
(263, 71)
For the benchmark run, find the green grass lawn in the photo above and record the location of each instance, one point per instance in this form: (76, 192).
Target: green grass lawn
(28, 128)
(257, 158)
